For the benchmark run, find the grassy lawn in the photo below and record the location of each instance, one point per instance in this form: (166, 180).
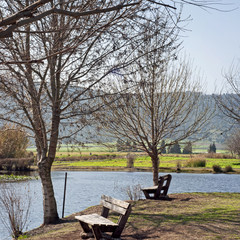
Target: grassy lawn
(186, 216)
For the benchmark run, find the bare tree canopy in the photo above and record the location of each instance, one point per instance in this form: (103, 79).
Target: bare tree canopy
(229, 102)
(158, 100)
(55, 59)
(54, 69)
(233, 142)
(36, 10)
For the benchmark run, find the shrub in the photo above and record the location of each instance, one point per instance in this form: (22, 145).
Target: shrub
(20, 164)
(218, 155)
(228, 169)
(13, 142)
(217, 169)
(196, 163)
(178, 166)
(15, 204)
(134, 192)
(130, 160)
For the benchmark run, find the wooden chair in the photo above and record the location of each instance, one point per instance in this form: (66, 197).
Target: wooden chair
(99, 224)
(160, 191)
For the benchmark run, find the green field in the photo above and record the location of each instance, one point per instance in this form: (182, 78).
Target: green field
(94, 155)
(143, 161)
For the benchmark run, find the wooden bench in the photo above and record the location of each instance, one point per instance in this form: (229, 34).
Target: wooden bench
(98, 224)
(160, 191)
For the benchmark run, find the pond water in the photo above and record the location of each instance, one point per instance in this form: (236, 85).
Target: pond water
(84, 189)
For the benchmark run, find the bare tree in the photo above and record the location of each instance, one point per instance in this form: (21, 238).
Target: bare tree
(233, 142)
(32, 12)
(55, 56)
(54, 69)
(158, 101)
(229, 102)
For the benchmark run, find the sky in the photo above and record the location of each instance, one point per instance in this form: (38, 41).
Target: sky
(212, 42)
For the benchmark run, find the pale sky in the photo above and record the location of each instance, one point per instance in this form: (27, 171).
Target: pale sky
(213, 42)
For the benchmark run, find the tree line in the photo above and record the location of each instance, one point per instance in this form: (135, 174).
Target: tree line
(127, 146)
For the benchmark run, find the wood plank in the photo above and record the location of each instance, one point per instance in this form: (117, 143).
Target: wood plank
(95, 219)
(114, 208)
(96, 232)
(115, 205)
(150, 188)
(115, 201)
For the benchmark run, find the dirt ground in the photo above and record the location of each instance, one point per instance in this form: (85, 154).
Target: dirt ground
(186, 216)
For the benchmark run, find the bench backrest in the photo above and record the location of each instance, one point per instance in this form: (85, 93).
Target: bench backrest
(115, 205)
(121, 207)
(163, 184)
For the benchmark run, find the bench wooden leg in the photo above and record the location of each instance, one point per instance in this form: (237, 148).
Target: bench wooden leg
(85, 227)
(97, 232)
(147, 196)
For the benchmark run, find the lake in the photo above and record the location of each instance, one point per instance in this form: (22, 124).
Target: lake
(84, 189)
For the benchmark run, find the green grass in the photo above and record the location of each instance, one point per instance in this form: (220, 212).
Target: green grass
(186, 216)
(219, 207)
(14, 178)
(166, 161)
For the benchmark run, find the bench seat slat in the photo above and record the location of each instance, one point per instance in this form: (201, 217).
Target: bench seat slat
(150, 188)
(95, 219)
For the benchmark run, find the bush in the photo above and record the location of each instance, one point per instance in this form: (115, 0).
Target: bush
(15, 206)
(178, 166)
(217, 169)
(218, 155)
(228, 169)
(196, 163)
(130, 160)
(20, 164)
(13, 142)
(134, 192)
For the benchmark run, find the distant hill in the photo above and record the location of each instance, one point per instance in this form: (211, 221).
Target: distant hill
(218, 129)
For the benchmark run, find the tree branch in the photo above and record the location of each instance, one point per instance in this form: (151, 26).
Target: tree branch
(26, 12)
(8, 32)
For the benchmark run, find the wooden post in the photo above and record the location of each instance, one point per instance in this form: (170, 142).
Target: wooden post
(64, 194)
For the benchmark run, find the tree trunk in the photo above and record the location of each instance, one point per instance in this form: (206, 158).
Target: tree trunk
(49, 202)
(155, 168)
